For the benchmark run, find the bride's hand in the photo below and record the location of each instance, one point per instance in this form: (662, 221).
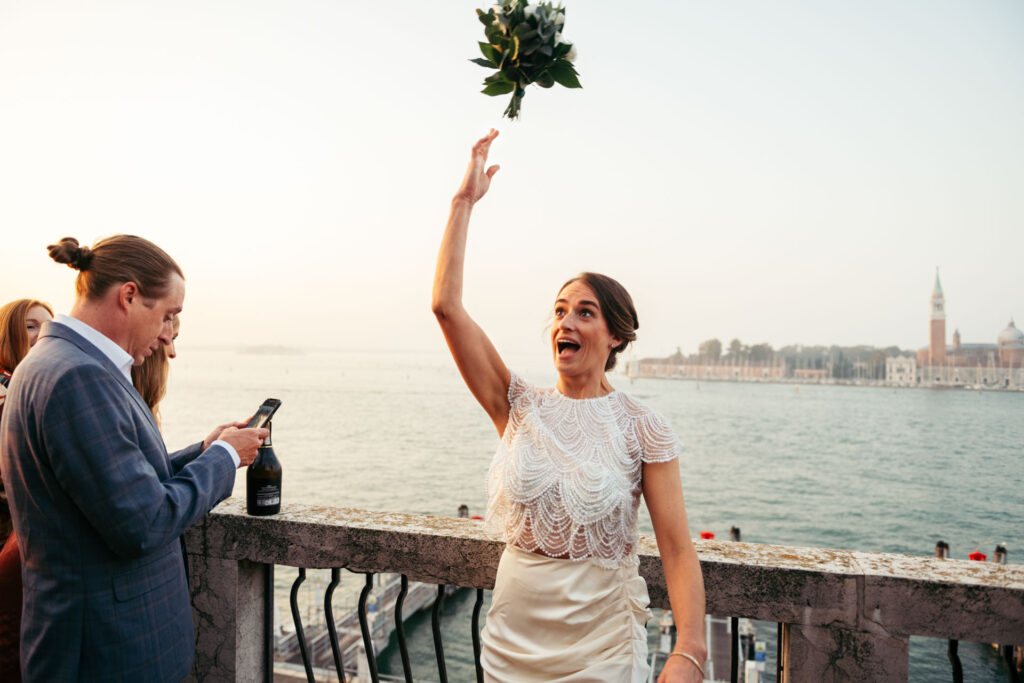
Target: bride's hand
(677, 670)
(477, 180)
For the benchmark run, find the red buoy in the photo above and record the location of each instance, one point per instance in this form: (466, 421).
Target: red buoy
(707, 534)
(977, 557)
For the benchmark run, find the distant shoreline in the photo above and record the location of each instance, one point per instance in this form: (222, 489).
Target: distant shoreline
(879, 384)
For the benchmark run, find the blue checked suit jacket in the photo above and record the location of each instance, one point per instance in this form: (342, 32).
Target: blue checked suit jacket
(99, 505)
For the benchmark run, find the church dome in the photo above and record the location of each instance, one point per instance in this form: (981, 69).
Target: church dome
(1011, 335)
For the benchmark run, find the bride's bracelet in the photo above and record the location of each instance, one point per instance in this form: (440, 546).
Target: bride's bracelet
(691, 658)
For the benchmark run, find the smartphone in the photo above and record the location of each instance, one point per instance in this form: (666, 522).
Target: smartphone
(264, 413)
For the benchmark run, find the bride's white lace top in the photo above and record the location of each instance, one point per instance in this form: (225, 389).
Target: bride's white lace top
(565, 480)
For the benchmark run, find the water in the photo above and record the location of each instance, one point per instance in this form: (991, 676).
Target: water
(856, 468)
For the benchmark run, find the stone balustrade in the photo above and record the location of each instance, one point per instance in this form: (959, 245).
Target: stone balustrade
(847, 615)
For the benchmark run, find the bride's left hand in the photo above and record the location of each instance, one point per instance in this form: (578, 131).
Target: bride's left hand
(680, 670)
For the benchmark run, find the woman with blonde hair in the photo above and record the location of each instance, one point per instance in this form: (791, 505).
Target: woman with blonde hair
(20, 322)
(150, 378)
(565, 484)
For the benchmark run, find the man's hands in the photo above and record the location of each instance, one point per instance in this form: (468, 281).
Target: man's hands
(246, 442)
(215, 434)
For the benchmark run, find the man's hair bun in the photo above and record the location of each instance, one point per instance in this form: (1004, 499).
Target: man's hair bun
(67, 251)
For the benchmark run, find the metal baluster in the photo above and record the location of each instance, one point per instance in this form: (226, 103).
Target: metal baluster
(954, 659)
(734, 625)
(778, 656)
(268, 623)
(332, 630)
(476, 634)
(435, 622)
(400, 628)
(299, 635)
(371, 659)
(1011, 665)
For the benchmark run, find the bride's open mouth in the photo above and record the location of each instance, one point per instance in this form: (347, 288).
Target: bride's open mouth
(566, 347)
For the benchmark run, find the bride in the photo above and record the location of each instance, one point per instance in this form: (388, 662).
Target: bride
(565, 484)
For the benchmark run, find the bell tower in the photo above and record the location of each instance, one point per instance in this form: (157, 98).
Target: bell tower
(937, 340)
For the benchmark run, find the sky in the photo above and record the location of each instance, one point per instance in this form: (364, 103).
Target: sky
(784, 172)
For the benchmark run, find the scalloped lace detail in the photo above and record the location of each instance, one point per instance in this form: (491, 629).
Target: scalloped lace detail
(565, 480)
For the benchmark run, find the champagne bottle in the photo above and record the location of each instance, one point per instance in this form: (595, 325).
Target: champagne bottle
(263, 481)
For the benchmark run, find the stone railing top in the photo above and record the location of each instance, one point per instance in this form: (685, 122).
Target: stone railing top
(879, 593)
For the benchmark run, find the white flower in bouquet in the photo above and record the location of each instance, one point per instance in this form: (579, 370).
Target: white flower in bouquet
(525, 45)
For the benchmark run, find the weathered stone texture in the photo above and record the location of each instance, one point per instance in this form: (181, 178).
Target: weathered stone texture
(851, 612)
(816, 654)
(425, 548)
(979, 601)
(227, 612)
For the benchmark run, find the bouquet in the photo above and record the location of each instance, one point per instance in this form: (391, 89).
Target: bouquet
(525, 45)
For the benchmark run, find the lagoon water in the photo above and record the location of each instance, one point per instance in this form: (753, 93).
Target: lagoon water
(857, 468)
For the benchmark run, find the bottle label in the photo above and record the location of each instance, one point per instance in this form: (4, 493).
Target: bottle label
(268, 495)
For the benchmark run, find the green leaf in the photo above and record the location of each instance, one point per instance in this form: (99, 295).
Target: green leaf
(498, 77)
(564, 74)
(545, 80)
(484, 62)
(489, 52)
(502, 88)
(486, 18)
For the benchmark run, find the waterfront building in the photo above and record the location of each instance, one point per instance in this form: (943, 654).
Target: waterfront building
(678, 367)
(901, 371)
(999, 365)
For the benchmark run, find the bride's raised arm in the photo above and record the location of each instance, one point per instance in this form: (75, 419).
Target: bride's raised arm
(482, 368)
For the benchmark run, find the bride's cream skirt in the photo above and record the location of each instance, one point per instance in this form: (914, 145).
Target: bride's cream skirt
(558, 620)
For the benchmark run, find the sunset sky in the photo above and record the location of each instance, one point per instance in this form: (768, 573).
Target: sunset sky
(779, 172)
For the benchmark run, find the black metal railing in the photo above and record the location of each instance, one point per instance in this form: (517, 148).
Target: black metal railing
(371, 659)
(299, 633)
(435, 626)
(1007, 653)
(332, 626)
(954, 659)
(403, 647)
(476, 634)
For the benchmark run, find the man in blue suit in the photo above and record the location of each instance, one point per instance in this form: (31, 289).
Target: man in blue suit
(97, 502)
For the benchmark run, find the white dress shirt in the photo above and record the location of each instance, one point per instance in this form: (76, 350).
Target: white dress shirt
(107, 346)
(121, 359)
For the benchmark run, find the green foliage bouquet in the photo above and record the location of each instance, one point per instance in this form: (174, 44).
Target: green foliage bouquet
(525, 45)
